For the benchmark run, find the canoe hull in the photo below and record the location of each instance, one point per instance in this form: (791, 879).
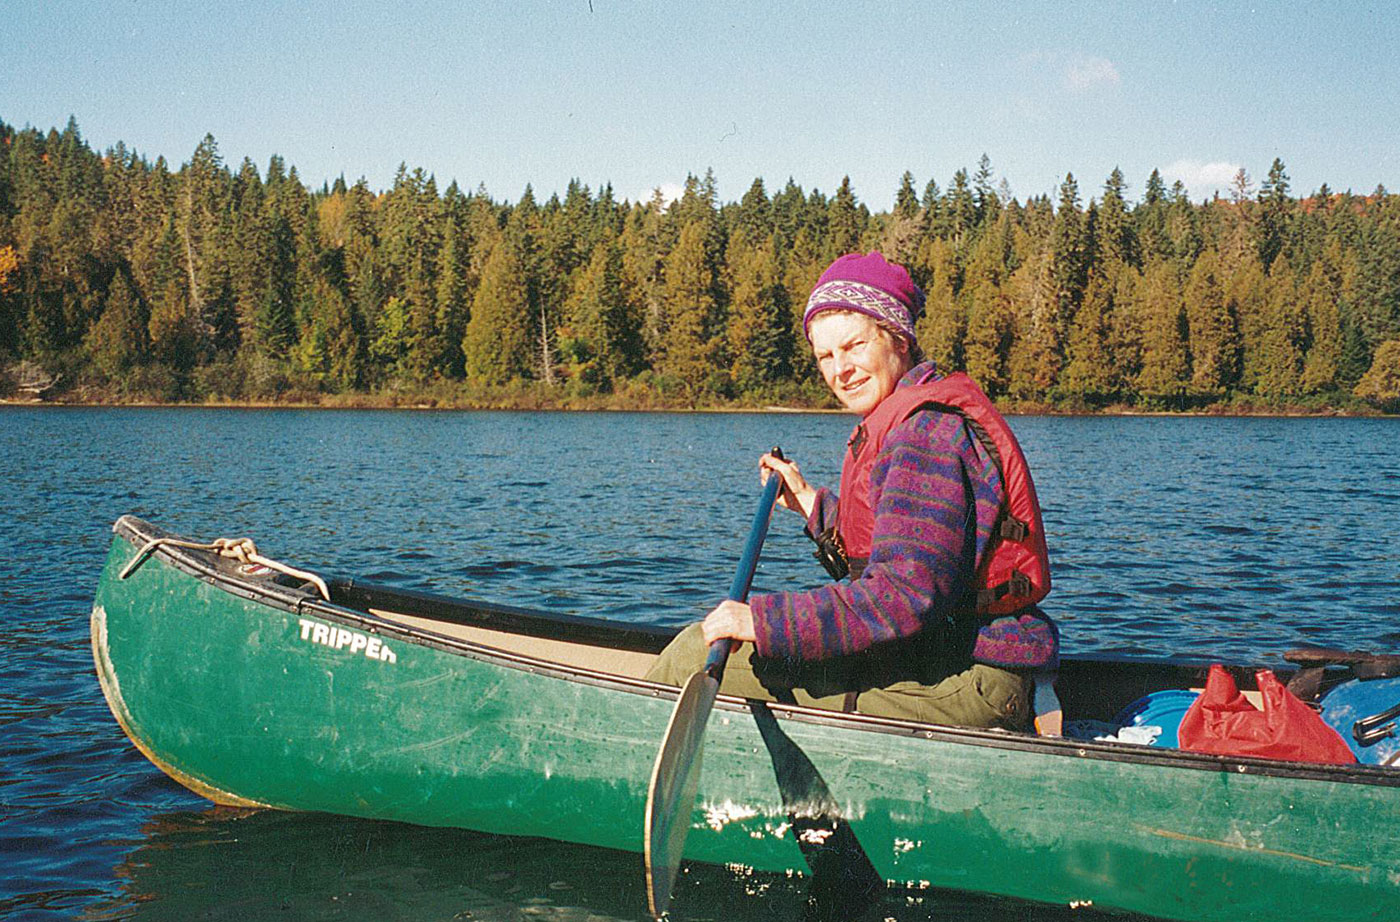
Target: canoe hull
(275, 699)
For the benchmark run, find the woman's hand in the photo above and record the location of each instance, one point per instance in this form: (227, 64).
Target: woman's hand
(729, 619)
(797, 495)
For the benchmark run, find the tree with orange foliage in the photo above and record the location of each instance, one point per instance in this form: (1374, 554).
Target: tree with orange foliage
(9, 265)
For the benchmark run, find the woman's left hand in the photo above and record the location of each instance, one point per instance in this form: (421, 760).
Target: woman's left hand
(729, 619)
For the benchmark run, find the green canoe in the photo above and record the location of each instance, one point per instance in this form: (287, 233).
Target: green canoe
(248, 687)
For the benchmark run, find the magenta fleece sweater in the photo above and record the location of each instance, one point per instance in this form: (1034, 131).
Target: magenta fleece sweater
(935, 493)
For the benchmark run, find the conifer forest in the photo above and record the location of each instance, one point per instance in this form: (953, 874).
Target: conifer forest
(124, 280)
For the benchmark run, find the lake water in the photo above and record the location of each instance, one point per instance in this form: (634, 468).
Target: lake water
(1229, 539)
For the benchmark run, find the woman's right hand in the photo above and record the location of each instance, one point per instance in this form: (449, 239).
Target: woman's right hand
(797, 494)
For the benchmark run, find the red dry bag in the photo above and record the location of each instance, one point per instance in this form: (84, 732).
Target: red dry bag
(1223, 722)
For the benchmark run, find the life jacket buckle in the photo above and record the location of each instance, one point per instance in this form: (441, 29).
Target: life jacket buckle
(1018, 584)
(1013, 529)
(831, 552)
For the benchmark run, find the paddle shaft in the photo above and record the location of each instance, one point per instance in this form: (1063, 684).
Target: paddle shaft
(676, 774)
(739, 589)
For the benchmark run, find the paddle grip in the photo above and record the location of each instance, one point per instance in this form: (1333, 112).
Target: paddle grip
(739, 589)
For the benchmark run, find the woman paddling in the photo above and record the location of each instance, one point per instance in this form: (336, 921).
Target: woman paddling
(937, 528)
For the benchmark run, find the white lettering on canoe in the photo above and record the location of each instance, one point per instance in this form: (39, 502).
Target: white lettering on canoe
(338, 638)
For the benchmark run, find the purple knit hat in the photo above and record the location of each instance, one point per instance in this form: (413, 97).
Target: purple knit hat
(868, 284)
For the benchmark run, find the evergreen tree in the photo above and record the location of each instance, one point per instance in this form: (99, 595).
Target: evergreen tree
(991, 330)
(688, 303)
(1037, 354)
(1165, 367)
(755, 214)
(452, 308)
(389, 338)
(499, 345)
(526, 230)
(1281, 353)
(961, 211)
(943, 327)
(1240, 245)
(275, 323)
(844, 221)
(1377, 288)
(1355, 358)
(906, 200)
(120, 338)
(605, 321)
(1115, 240)
(644, 250)
(428, 347)
(1150, 218)
(249, 251)
(805, 264)
(988, 203)
(1089, 363)
(1068, 250)
(1322, 332)
(566, 239)
(1155, 193)
(332, 350)
(172, 329)
(932, 211)
(760, 329)
(788, 213)
(1245, 301)
(1274, 205)
(1381, 383)
(204, 230)
(1213, 333)
(1125, 332)
(1183, 226)
(900, 239)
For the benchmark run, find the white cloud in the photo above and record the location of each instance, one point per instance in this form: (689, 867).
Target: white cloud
(1086, 73)
(1202, 180)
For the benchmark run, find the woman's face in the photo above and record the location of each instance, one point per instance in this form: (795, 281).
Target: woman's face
(861, 362)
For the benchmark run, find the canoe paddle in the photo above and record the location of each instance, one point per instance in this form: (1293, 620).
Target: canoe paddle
(675, 779)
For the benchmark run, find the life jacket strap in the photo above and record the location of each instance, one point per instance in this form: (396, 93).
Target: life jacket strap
(1013, 529)
(1018, 584)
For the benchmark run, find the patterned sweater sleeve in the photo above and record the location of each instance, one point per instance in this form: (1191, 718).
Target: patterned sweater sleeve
(923, 550)
(824, 511)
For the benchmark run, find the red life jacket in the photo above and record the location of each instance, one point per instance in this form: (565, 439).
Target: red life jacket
(1015, 568)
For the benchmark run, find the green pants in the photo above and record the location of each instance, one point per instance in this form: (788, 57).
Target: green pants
(981, 696)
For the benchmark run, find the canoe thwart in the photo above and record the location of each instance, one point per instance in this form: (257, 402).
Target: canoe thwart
(1365, 665)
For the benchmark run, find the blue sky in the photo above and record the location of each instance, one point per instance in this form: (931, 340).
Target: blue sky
(640, 94)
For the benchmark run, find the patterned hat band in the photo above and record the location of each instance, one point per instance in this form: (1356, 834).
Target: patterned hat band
(842, 295)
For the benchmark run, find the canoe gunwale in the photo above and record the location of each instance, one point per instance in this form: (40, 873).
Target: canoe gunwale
(220, 573)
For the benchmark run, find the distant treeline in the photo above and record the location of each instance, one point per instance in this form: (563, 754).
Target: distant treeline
(123, 279)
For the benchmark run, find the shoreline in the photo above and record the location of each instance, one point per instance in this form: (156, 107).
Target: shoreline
(591, 405)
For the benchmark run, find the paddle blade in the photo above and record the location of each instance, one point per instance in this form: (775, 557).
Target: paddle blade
(675, 779)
